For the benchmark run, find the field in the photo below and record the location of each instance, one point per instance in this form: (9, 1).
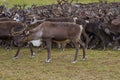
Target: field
(99, 65)
(10, 3)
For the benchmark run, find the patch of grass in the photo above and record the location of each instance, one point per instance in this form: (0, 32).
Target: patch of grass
(99, 65)
(10, 3)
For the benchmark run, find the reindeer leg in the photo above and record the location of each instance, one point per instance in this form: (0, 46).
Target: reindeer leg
(86, 37)
(83, 47)
(48, 43)
(76, 53)
(31, 50)
(102, 40)
(11, 44)
(16, 55)
(63, 46)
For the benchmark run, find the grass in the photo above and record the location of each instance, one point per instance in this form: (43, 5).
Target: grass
(99, 65)
(10, 3)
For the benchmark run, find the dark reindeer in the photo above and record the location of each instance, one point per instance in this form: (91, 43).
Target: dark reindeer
(54, 31)
(9, 29)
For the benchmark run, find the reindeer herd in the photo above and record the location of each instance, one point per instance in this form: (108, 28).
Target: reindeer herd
(93, 25)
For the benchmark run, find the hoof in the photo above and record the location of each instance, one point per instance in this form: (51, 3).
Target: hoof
(83, 59)
(8, 48)
(14, 58)
(104, 48)
(63, 50)
(74, 61)
(118, 49)
(115, 47)
(48, 60)
(32, 56)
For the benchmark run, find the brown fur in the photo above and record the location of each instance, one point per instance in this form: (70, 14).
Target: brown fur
(58, 31)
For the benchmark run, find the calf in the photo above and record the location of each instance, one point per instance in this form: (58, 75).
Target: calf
(55, 31)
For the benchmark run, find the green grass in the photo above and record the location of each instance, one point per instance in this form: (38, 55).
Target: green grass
(10, 3)
(99, 65)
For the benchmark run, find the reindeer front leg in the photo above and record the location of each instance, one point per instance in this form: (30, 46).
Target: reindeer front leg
(16, 55)
(31, 50)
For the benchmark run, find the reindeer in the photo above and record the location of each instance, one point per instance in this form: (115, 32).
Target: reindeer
(54, 31)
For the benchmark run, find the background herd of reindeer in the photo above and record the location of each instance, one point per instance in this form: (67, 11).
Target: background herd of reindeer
(100, 21)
